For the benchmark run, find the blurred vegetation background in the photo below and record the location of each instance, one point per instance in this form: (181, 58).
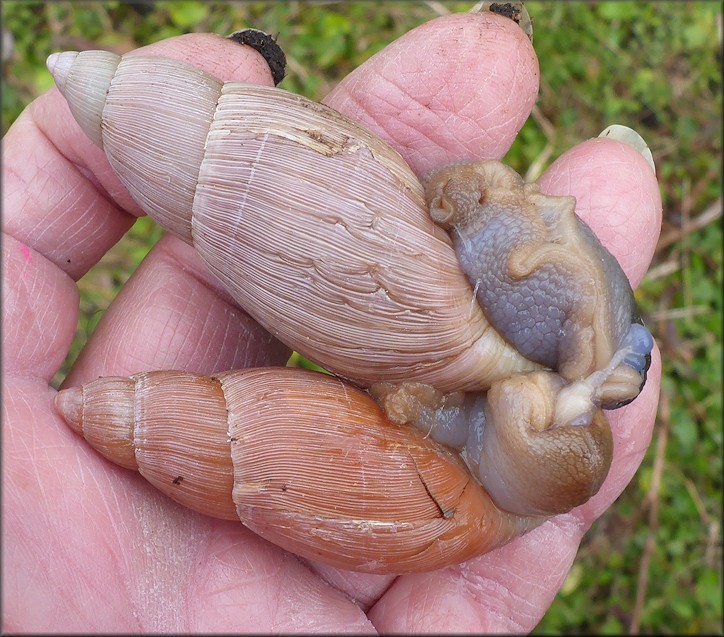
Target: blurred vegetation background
(653, 562)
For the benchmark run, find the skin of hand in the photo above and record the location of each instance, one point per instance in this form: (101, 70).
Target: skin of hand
(89, 546)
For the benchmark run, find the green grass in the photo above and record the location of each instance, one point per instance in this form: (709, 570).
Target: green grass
(652, 564)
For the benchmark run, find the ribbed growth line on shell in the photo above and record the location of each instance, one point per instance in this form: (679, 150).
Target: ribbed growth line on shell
(322, 473)
(84, 80)
(138, 126)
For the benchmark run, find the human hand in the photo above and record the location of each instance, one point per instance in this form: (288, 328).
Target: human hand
(141, 559)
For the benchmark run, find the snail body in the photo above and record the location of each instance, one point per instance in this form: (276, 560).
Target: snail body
(485, 318)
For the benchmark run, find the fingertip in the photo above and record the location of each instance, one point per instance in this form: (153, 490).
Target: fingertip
(457, 87)
(616, 193)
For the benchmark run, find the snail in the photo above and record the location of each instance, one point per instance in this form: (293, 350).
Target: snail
(475, 327)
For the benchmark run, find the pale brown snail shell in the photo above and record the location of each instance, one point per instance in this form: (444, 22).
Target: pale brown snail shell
(359, 278)
(219, 163)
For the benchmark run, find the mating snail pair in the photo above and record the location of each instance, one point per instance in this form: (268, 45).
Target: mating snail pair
(450, 301)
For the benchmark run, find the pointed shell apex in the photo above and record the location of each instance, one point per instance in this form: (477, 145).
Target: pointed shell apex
(69, 404)
(59, 65)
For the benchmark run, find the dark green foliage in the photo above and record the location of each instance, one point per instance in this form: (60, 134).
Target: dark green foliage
(653, 561)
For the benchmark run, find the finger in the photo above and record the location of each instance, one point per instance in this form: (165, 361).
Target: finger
(458, 87)
(632, 428)
(617, 194)
(510, 589)
(477, 597)
(364, 588)
(40, 309)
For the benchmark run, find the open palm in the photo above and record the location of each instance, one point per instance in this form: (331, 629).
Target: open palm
(92, 547)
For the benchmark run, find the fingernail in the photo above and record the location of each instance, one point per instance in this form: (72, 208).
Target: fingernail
(632, 138)
(516, 11)
(267, 46)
